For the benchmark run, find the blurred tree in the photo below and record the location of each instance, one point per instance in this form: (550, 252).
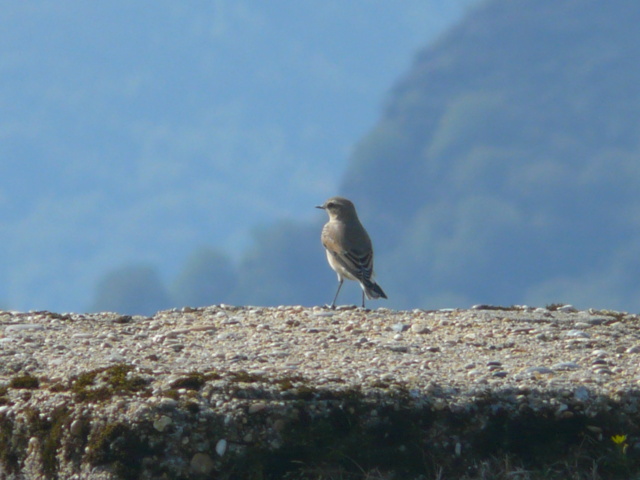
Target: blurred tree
(132, 290)
(208, 277)
(286, 265)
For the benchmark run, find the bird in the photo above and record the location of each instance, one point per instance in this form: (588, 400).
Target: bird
(348, 248)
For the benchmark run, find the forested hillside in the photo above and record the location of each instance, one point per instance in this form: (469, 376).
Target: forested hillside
(506, 164)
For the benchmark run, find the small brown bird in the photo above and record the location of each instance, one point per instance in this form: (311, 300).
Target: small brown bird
(348, 246)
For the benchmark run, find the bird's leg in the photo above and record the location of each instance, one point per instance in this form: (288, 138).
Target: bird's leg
(363, 299)
(333, 304)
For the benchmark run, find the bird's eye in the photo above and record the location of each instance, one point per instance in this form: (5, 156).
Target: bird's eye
(331, 205)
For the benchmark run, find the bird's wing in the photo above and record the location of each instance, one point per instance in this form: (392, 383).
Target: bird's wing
(358, 263)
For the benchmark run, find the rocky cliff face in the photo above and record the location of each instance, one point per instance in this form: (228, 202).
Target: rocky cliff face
(289, 392)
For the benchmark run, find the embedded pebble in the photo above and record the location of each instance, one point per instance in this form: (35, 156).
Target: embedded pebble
(257, 407)
(75, 428)
(567, 309)
(577, 333)
(162, 423)
(565, 366)
(581, 394)
(420, 329)
(579, 325)
(82, 335)
(400, 327)
(221, 447)
(201, 463)
(22, 327)
(539, 370)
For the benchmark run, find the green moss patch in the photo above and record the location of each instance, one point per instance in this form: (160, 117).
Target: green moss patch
(25, 381)
(122, 447)
(194, 380)
(103, 383)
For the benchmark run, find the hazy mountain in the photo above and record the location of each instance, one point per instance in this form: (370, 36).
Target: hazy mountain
(505, 166)
(137, 132)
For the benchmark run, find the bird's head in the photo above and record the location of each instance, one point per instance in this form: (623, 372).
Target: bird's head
(338, 207)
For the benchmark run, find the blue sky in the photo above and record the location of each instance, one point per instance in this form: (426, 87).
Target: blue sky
(136, 132)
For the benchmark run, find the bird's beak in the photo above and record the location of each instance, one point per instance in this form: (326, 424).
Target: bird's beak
(320, 206)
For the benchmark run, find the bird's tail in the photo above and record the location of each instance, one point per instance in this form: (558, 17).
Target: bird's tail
(373, 290)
